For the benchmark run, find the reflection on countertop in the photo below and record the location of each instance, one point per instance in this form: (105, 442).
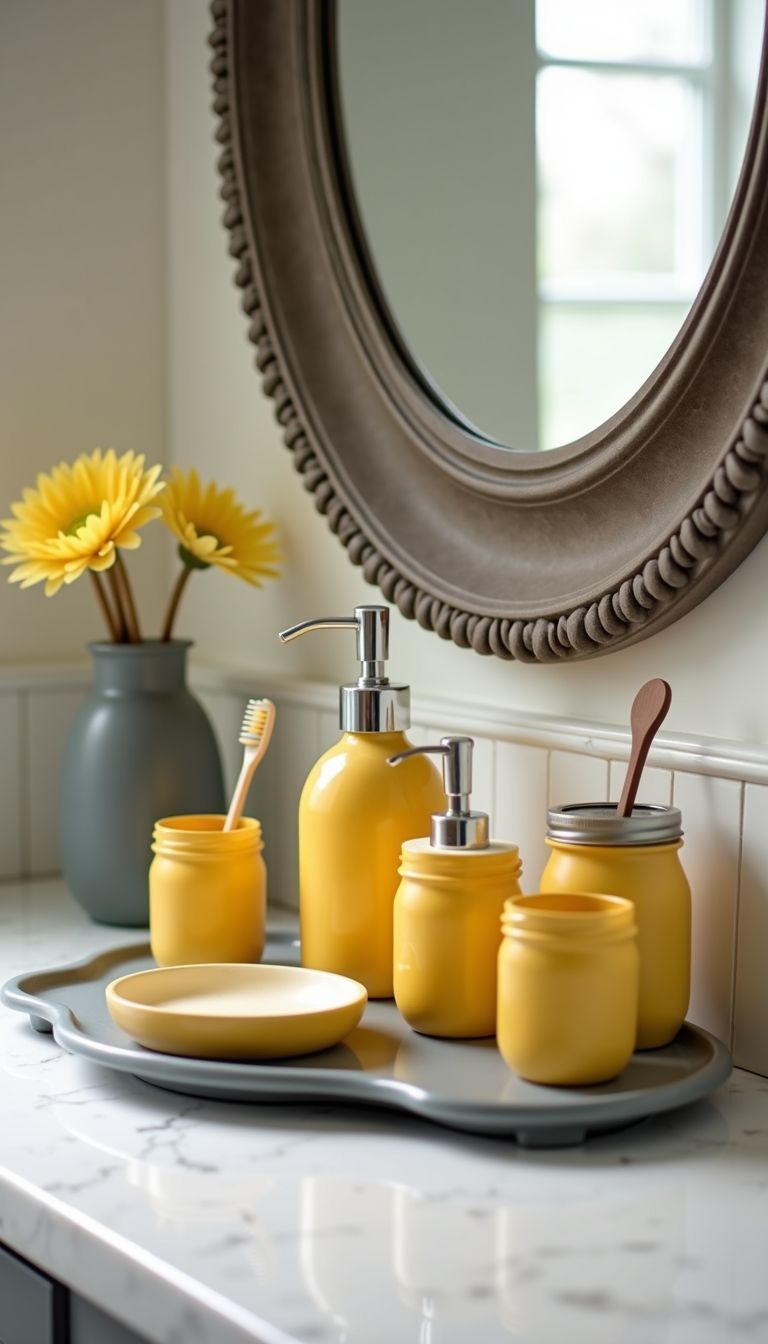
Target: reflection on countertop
(227, 1222)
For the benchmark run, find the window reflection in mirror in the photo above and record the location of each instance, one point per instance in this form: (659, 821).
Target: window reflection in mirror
(542, 187)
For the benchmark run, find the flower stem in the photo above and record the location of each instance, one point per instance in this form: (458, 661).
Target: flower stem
(106, 610)
(131, 615)
(173, 605)
(122, 627)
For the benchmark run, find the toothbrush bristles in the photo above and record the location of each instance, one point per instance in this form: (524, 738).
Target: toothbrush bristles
(254, 722)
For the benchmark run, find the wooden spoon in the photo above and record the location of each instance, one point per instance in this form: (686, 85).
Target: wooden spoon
(649, 710)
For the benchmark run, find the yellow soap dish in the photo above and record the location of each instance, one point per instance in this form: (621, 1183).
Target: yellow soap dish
(236, 1010)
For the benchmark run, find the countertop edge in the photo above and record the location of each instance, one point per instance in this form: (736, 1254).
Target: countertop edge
(85, 1255)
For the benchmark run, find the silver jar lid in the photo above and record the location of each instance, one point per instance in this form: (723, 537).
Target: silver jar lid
(598, 824)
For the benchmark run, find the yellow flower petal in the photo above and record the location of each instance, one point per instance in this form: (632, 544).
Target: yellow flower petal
(73, 574)
(214, 528)
(205, 545)
(103, 562)
(137, 519)
(128, 541)
(77, 515)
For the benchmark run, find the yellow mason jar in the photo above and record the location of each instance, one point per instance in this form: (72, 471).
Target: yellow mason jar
(447, 934)
(635, 857)
(207, 891)
(567, 987)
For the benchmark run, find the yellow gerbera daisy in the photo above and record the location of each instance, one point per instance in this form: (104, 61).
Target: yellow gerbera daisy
(77, 516)
(214, 529)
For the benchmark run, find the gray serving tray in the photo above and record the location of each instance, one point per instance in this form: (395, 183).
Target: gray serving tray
(462, 1084)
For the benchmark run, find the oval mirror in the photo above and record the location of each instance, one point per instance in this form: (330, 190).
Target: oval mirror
(544, 185)
(633, 518)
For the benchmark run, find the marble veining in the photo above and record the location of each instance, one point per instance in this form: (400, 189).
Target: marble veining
(195, 1220)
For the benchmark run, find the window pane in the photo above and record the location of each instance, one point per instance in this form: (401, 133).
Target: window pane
(623, 30)
(620, 178)
(626, 340)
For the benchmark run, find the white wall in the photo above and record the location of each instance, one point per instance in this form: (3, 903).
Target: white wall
(715, 658)
(82, 270)
(90, 218)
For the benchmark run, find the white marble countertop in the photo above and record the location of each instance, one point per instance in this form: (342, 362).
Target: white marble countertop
(207, 1222)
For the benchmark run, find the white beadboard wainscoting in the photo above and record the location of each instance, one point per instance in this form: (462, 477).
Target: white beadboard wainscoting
(523, 763)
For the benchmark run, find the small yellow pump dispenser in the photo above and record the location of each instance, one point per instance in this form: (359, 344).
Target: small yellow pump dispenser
(448, 909)
(355, 814)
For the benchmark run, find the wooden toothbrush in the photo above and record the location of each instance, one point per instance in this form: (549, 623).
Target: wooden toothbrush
(256, 730)
(649, 710)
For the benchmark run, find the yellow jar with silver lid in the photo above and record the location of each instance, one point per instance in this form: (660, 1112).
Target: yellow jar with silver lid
(567, 987)
(448, 908)
(637, 857)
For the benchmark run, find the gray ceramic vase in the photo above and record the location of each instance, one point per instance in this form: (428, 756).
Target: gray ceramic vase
(140, 748)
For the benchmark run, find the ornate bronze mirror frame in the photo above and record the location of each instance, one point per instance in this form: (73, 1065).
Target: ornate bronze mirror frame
(534, 556)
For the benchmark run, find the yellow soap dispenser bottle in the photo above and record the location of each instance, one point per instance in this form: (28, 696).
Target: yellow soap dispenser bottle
(355, 814)
(447, 926)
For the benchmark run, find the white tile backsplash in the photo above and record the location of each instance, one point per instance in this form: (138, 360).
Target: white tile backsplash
(225, 711)
(750, 1026)
(420, 735)
(520, 811)
(328, 729)
(297, 746)
(12, 776)
(574, 778)
(484, 778)
(49, 718)
(483, 765)
(655, 784)
(711, 811)
(521, 765)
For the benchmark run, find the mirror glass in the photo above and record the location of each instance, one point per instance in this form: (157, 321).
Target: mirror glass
(541, 186)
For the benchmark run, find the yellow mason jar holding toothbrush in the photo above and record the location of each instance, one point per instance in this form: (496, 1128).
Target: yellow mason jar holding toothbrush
(207, 891)
(567, 987)
(637, 857)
